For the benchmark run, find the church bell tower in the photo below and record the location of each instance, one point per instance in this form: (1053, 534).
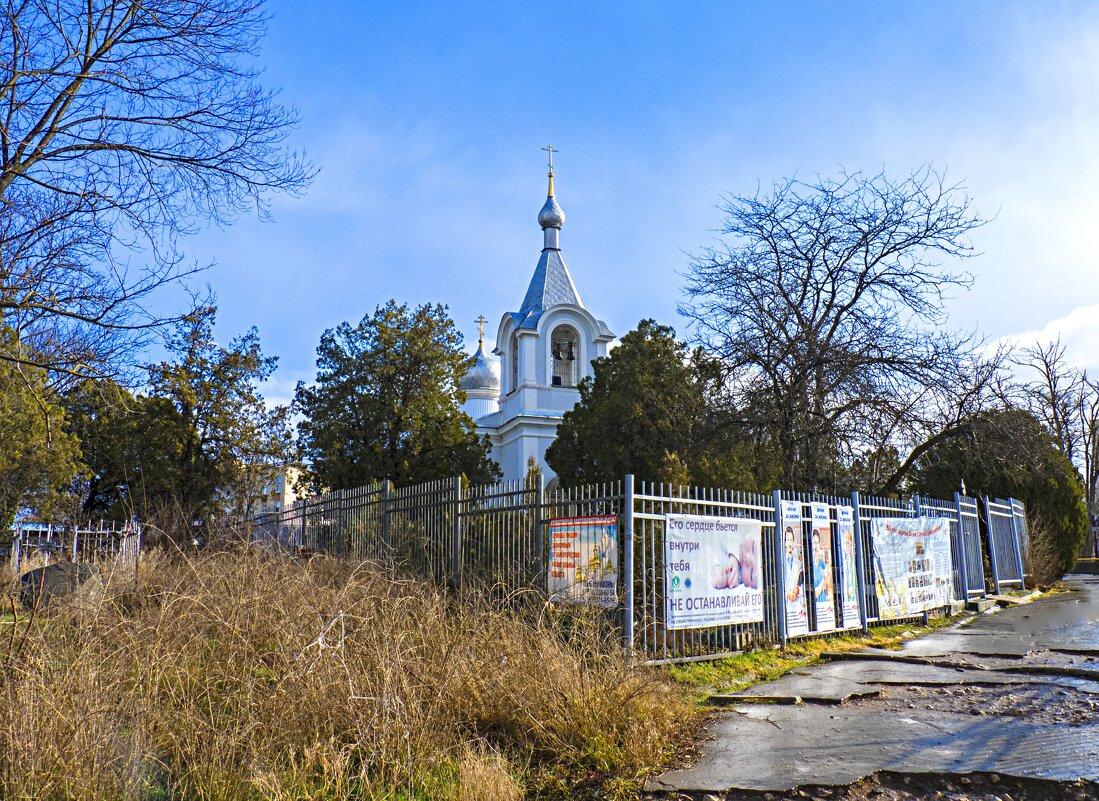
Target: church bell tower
(545, 349)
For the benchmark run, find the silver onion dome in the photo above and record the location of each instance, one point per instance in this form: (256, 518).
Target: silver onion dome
(480, 375)
(551, 215)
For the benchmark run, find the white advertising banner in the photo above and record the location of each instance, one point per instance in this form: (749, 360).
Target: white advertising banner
(713, 571)
(913, 566)
(849, 577)
(824, 596)
(584, 560)
(793, 568)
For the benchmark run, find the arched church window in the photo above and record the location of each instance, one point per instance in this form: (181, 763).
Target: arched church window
(565, 353)
(513, 354)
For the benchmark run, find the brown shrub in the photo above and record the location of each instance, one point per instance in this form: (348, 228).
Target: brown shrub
(1044, 565)
(239, 675)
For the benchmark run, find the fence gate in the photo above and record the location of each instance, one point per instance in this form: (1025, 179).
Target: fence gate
(1005, 551)
(970, 529)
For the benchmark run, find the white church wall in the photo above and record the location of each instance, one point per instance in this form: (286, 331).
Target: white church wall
(516, 441)
(478, 407)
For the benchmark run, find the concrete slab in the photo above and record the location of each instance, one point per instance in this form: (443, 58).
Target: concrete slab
(737, 699)
(775, 748)
(836, 682)
(1016, 692)
(981, 605)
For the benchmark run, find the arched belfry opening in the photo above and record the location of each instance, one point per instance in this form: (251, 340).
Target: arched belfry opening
(565, 356)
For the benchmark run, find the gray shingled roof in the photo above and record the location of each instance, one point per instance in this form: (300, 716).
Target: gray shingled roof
(551, 286)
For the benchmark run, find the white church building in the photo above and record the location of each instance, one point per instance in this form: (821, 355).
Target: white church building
(545, 348)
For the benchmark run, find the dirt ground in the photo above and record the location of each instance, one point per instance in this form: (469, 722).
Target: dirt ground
(1037, 702)
(920, 787)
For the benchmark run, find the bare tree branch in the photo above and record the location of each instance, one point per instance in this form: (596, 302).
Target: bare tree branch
(124, 125)
(825, 304)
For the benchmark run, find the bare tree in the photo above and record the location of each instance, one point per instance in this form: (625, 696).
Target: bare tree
(1066, 401)
(826, 305)
(1055, 396)
(124, 125)
(1088, 418)
(941, 409)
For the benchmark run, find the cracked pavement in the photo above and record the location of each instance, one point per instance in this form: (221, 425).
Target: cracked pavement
(1014, 693)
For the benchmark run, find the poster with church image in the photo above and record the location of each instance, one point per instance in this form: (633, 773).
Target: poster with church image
(584, 560)
(913, 565)
(820, 559)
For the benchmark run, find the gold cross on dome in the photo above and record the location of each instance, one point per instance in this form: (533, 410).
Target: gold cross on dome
(481, 328)
(549, 149)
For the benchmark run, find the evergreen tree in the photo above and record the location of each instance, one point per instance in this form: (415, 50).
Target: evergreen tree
(1008, 453)
(651, 409)
(226, 439)
(130, 447)
(38, 459)
(386, 403)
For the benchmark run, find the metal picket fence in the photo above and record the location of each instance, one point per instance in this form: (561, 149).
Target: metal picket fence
(445, 531)
(495, 537)
(1006, 548)
(78, 543)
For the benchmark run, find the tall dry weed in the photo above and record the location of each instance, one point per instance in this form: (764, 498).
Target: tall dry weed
(1043, 565)
(241, 675)
(9, 581)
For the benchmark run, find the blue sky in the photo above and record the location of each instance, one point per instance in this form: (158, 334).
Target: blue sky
(426, 120)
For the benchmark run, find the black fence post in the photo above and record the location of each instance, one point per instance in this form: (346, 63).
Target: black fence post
(387, 488)
(456, 533)
(540, 549)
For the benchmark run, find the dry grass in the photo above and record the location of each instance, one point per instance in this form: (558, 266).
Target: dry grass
(244, 676)
(9, 581)
(1043, 564)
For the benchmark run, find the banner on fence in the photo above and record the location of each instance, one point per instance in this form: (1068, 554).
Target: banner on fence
(793, 568)
(824, 596)
(584, 560)
(713, 571)
(913, 568)
(849, 576)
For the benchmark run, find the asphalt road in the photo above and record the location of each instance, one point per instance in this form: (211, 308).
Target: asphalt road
(1013, 694)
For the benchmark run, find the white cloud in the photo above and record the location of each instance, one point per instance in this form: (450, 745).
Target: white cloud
(1078, 331)
(279, 390)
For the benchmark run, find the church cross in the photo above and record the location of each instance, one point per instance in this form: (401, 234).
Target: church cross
(549, 149)
(481, 328)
